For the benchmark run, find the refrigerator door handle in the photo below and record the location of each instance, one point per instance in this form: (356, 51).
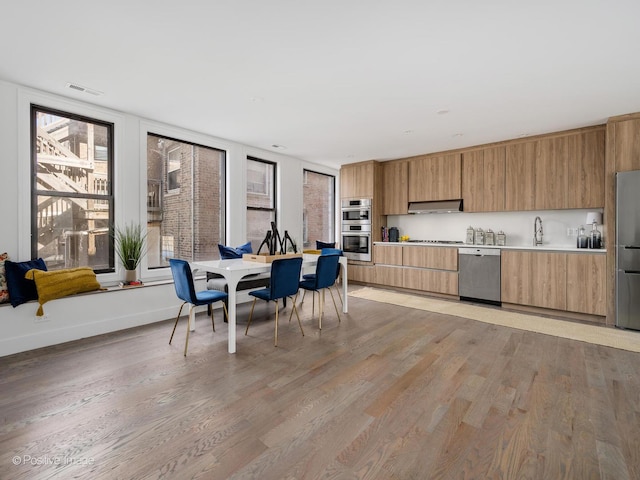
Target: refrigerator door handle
(631, 247)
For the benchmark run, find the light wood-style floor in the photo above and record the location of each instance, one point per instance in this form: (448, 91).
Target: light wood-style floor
(390, 393)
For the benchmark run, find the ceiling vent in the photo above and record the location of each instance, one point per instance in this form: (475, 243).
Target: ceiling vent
(80, 88)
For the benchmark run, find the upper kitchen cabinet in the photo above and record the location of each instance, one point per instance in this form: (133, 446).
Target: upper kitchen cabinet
(395, 187)
(586, 170)
(625, 143)
(436, 177)
(520, 169)
(483, 180)
(556, 172)
(357, 180)
(570, 171)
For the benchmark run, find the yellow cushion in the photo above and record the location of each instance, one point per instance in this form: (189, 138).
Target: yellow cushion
(60, 283)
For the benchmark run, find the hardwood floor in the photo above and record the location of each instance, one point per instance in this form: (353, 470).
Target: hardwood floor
(390, 393)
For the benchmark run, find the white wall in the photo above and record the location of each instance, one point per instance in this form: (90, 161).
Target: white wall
(518, 226)
(86, 315)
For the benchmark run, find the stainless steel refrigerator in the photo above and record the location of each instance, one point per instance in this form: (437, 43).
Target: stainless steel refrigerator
(628, 249)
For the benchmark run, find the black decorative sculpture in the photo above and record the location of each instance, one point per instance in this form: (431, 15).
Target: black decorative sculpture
(272, 240)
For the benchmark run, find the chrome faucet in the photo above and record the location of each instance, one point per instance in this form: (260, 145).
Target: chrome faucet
(537, 232)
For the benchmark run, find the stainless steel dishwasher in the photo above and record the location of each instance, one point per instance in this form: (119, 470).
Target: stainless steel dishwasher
(479, 274)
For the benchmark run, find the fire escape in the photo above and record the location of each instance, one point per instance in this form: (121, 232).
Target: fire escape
(70, 230)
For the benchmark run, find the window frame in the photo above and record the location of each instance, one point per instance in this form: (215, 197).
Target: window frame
(305, 182)
(275, 189)
(184, 138)
(34, 192)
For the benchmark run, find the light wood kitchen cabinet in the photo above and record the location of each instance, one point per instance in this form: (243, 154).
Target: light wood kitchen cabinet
(395, 184)
(387, 254)
(435, 177)
(357, 180)
(520, 170)
(551, 170)
(538, 279)
(573, 282)
(586, 285)
(556, 172)
(361, 273)
(437, 281)
(626, 145)
(390, 276)
(483, 180)
(439, 258)
(586, 170)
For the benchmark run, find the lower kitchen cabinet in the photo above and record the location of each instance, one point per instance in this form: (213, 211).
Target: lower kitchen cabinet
(361, 273)
(390, 276)
(573, 282)
(586, 285)
(437, 281)
(387, 254)
(440, 258)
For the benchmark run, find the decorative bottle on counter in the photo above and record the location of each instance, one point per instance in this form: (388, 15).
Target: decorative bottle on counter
(583, 241)
(479, 240)
(595, 238)
(470, 236)
(501, 238)
(489, 237)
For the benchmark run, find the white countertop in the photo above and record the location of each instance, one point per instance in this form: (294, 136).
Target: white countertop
(542, 248)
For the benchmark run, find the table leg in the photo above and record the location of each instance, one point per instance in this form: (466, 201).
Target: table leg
(232, 284)
(345, 308)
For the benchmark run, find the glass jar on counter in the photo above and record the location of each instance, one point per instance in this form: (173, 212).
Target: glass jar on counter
(489, 237)
(479, 238)
(583, 240)
(470, 236)
(501, 238)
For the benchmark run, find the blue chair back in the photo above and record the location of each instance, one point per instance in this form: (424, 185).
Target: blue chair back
(285, 277)
(333, 251)
(183, 280)
(326, 271)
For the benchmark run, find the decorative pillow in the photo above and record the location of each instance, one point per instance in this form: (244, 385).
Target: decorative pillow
(320, 245)
(4, 293)
(229, 252)
(20, 289)
(61, 283)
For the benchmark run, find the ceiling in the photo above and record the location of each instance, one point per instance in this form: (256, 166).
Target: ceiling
(336, 82)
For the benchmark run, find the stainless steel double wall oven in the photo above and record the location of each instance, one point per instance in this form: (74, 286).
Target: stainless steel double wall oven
(356, 229)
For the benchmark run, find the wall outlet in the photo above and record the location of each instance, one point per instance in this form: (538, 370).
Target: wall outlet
(42, 319)
(572, 232)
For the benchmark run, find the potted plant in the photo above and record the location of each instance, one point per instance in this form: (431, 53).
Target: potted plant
(130, 248)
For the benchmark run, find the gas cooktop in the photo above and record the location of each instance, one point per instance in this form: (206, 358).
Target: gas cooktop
(436, 241)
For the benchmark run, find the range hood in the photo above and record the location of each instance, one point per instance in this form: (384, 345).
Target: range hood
(442, 206)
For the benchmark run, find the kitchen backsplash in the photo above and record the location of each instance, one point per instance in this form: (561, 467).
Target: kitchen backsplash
(518, 226)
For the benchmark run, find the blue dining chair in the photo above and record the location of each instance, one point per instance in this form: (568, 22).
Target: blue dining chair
(324, 279)
(185, 290)
(311, 276)
(285, 276)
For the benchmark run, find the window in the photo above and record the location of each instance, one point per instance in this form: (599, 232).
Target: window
(72, 190)
(185, 200)
(318, 208)
(261, 200)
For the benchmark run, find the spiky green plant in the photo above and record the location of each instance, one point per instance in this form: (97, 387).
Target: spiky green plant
(130, 245)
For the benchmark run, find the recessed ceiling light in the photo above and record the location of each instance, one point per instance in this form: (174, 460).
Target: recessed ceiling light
(523, 135)
(408, 132)
(257, 99)
(458, 134)
(444, 111)
(79, 88)
(350, 156)
(281, 147)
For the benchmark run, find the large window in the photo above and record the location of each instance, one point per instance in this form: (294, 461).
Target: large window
(185, 200)
(261, 200)
(318, 204)
(72, 190)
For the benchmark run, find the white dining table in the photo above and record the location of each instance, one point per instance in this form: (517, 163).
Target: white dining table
(235, 269)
